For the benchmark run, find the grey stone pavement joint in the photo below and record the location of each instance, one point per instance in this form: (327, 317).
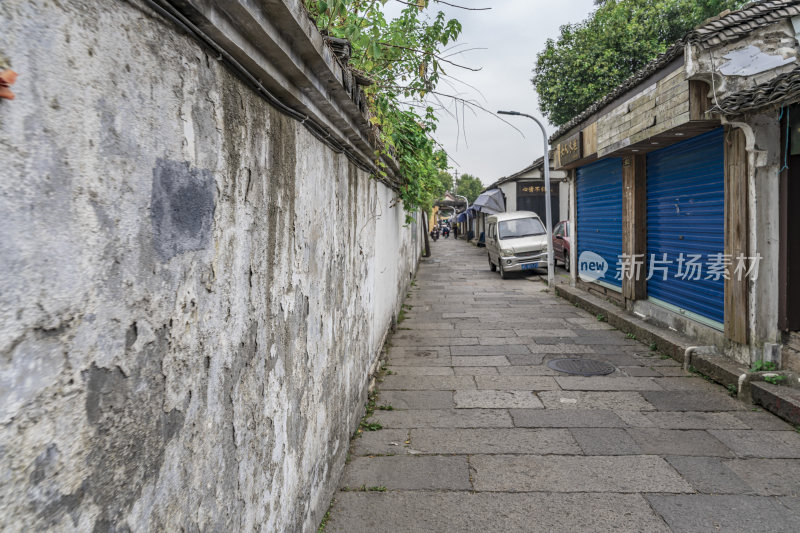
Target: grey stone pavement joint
(483, 436)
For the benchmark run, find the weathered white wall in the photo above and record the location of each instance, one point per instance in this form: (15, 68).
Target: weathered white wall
(193, 287)
(764, 163)
(563, 200)
(510, 190)
(390, 275)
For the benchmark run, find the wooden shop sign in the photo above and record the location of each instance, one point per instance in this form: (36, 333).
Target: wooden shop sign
(571, 149)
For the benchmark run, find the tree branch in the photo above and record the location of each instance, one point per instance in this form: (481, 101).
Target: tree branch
(447, 4)
(440, 58)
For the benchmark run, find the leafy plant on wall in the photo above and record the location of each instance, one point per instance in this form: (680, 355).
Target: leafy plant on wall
(403, 57)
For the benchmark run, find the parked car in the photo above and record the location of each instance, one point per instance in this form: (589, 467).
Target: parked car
(562, 239)
(516, 241)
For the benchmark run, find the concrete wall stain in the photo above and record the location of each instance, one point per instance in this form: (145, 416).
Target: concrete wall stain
(182, 208)
(131, 430)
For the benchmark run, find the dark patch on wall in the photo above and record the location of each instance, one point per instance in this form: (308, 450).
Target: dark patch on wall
(282, 177)
(182, 205)
(242, 364)
(107, 526)
(113, 141)
(131, 432)
(235, 131)
(47, 502)
(43, 464)
(131, 334)
(352, 186)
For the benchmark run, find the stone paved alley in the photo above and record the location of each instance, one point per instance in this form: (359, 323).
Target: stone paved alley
(483, 436)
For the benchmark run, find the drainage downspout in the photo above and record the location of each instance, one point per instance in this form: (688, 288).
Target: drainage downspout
(743, 381)
(687, 356)
(691, 350)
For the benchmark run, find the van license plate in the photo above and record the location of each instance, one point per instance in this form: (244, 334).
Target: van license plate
(530, 266)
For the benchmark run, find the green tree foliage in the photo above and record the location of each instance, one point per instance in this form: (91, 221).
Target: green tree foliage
(403, 57)
(446, 181)
(592, 57)
(469, 186)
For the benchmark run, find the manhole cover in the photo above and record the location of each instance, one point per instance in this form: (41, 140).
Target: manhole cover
(581, 367)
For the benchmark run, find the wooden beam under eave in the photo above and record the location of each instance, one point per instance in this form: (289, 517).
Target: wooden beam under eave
(634, 223)
(698, 100)
(736, 234)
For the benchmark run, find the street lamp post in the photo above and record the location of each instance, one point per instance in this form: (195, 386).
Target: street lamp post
(466, 233)
(548, 216)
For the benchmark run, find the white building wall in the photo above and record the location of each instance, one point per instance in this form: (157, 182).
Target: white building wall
(194, 288)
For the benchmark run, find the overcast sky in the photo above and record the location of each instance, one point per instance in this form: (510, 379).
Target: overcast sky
(512, 32)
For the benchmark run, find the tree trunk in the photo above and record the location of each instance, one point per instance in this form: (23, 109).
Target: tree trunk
(427, 252)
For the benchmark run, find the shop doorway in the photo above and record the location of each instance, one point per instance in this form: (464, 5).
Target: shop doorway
(789, 271)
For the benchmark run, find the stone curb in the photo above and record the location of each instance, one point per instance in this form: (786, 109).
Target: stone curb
(666, 342)
(780, 400)
(720, 369)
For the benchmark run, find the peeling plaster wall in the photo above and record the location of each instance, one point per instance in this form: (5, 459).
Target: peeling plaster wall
(193, 287)
(757, 58)
(764, 163)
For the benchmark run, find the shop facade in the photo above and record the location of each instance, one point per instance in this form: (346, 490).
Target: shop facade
(683, 186)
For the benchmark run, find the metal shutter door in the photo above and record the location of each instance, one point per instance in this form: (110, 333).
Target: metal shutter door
(599, 191)
(686, 214)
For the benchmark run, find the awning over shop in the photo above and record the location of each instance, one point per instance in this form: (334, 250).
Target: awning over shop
(472, 212)
(491, 202)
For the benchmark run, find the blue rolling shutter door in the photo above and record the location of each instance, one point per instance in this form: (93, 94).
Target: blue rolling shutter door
(599, 192)
(686, 214)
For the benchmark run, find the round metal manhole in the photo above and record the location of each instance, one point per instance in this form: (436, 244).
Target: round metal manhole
(581, 367)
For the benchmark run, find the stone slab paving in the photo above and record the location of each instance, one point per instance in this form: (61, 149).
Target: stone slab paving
(477, 370)
(496, 399)
(710, 475)
(564, 473)
(528, 383)
(417, 399)
(768, 477)
(493, 441)
(729, 513)
(483, 436)
(405, 472)
(573, 418)
(480, 512)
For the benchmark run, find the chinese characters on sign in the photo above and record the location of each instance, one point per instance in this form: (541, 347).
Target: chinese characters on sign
(688, 266)
(570, 150)
(533, 189)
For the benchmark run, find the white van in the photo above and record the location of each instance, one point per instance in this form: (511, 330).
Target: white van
(516, 241)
